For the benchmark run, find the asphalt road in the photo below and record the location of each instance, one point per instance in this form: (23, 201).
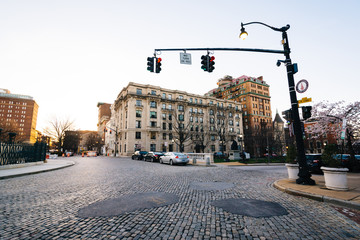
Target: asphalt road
(120, 198)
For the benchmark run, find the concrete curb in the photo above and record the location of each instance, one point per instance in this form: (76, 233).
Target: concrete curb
(317, 197)
(68, 164)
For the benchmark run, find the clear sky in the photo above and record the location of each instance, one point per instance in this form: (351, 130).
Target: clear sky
(71, 54)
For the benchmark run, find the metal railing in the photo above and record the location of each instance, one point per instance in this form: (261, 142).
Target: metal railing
(17, 153)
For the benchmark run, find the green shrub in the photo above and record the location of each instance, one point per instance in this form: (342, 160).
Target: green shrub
(328, 156)
(291, 154)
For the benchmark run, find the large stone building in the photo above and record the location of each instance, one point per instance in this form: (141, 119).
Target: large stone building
(152, 118)
(253, 95)
(18, 113)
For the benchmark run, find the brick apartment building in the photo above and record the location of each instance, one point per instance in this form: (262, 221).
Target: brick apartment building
(18, 113)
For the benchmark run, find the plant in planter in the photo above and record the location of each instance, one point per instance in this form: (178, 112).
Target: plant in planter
(335, 176)
(291, 163)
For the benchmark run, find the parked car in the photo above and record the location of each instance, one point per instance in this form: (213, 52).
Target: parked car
(153, 156)
(314, 162)
(139, 155)
(174, 158)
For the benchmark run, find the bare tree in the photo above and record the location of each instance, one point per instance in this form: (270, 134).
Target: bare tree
(182, 133)
(93, 142)
(57, 128)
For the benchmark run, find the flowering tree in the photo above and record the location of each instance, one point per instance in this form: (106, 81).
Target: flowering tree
(328, 118)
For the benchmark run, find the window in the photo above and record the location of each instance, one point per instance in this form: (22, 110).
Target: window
(170, 126)
(181, 97)
(138, 113)
(211, 112)
(213, 148)
(169, 97)
(212, 120)
(191, 100)
(163, 116)
(153, 104)
(201, 120)
(200, 101)
(170, 136)
(153, 135)
(138, 135)
(181, 108)
(231, 122)
(163, 106)
(138, 103)
(181, 117)
(139, 91)
(191, 110)
(169, 106)
(164, 136)
(212, 137)
(138, 124)
(153, 124)
(163, 96)
(153, 92)
(153, 147)
(191, 118)
(170, 116)
(153, 114)
(164, 126)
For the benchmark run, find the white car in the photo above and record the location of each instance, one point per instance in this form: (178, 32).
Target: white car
(174, 158)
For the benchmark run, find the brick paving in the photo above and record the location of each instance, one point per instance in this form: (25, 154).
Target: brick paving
(46, 205)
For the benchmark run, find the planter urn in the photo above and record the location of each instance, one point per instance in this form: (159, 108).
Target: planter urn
(335, 178)
(293, 170)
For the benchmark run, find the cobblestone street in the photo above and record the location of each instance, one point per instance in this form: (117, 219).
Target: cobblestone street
(48, 205)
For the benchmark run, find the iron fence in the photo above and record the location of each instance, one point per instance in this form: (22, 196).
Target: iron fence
(16, 153)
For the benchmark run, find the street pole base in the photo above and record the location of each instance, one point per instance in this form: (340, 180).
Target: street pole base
(305, 181)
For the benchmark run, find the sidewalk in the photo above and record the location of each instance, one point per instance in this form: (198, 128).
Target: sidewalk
(349, 198)
(10, 171)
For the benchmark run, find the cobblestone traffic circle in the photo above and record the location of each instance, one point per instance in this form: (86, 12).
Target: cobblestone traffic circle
(178, 202)
(210, 186)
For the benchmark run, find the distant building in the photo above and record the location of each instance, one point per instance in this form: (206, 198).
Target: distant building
(279, 142)
(104, 115)
(254, 96)
(152, 118)
(18, 113)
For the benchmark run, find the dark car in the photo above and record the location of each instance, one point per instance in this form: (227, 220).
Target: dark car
(153, 156)
(138, 155)
(314, 162)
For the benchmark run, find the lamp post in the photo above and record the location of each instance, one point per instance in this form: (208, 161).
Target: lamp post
(304, 174)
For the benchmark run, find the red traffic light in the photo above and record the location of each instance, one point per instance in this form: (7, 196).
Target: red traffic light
(212, 58)
(159, 60)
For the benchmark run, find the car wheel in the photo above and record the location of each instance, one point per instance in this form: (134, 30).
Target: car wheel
(171, 162)
(161, 161)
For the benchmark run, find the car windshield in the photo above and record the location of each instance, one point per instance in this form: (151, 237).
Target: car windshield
(313, 157)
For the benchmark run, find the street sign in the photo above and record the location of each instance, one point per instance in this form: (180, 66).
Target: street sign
(302, 86)
(304, 100)
(185, 58)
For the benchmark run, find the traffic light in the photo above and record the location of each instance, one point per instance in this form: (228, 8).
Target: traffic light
(306, 112)
(211, 64)
(150, 64)
(158, 65)
(204, 62)
(287, 115)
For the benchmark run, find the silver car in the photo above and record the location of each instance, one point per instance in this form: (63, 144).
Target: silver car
(174, 158)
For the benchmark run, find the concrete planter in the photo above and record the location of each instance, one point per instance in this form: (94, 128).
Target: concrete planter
(293, 170)
(335, 178)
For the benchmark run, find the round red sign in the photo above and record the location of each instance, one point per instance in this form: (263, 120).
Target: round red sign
(302, 86)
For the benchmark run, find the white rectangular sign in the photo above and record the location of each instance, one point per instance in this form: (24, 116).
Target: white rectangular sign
(185, 58)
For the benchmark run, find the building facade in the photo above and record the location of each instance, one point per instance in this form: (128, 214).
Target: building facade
(104, 114)
(253, 94)
(18, 113)
(151, 118)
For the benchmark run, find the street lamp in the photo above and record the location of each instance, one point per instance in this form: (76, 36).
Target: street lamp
(304, 174)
